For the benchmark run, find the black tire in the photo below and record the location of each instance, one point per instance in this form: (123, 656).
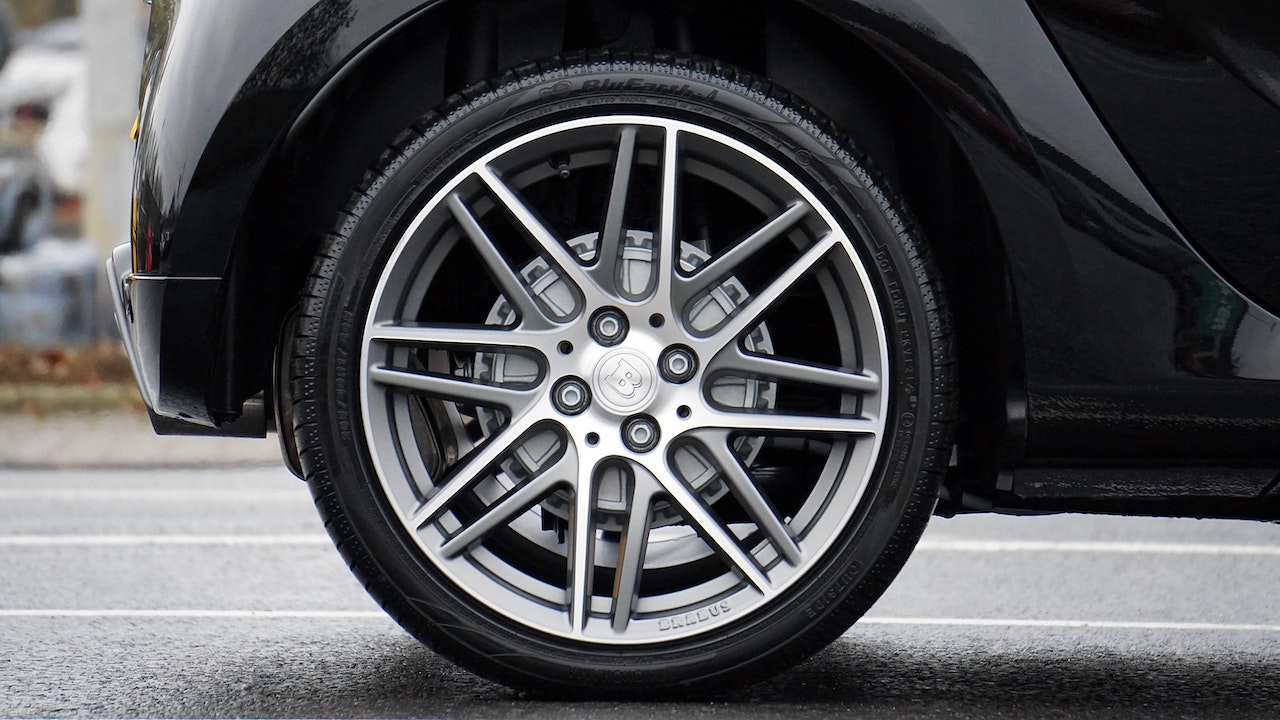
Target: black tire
(826, 591)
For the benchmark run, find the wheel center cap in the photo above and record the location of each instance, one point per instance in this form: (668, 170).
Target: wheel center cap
(624, 381)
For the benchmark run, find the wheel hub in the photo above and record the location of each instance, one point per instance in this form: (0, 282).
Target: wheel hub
(625, 381)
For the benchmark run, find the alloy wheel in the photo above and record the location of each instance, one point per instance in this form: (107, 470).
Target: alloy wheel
(624, 428)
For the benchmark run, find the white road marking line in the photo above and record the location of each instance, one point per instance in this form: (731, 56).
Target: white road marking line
(375, 615)
(1070, 624)
(211, 614)
(152, 495)
(119, 540)
(1153, 548)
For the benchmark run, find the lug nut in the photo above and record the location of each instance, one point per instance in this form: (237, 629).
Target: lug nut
(571, 396)
(640, 434)
(608, 327)
(678, 364)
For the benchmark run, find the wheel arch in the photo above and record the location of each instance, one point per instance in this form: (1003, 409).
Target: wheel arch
(454, 44)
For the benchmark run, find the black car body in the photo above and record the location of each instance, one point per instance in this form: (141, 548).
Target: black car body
(1099, 181)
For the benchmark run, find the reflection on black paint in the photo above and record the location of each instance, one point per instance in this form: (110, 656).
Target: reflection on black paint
(1207, 143)
(305, 56)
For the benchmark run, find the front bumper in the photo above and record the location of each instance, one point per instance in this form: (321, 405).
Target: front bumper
(120, 280)
(165, 323)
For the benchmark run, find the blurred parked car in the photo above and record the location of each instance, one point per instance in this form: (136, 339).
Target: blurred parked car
(43, 89)
(46, 288)
(38, 77)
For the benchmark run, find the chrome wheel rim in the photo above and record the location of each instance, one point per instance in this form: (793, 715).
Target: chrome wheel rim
(616, 452)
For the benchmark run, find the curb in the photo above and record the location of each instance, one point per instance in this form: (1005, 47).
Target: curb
(120, 439)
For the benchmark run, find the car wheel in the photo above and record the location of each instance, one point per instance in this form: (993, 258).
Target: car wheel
(623, 372)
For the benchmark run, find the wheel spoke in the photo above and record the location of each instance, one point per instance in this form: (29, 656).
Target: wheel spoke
(507, 508)
(532, 314)
(734, 361)
(631, 548)
(606, 269)
(582, 547)
(557, 253)
(452, 388)
(666, 251)
(716, 443)
(751, 314)
(476, 338)
(716, 535)
(472, 468)
(770, 422)
(717, 270)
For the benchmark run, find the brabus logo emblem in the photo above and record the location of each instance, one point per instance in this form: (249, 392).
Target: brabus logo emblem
(624, 380)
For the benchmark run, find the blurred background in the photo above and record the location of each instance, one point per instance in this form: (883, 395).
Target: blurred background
(68, 99)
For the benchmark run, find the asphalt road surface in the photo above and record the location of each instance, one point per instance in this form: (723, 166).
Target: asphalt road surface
(213, 593)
